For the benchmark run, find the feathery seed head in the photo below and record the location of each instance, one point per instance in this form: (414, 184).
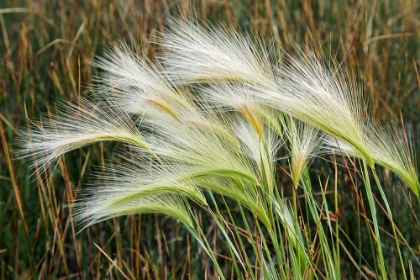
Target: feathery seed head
(324, 99)
(75, 127)
(214, 105)
(387, 149)
(198, 55)
(305, 141)
(138, 86)
(96, 208)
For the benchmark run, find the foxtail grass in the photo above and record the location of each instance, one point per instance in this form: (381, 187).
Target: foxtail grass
(208, 118)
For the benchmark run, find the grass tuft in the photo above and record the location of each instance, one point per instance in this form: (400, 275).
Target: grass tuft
(212, 129)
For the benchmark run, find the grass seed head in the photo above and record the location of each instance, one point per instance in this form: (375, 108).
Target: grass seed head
(207, 116)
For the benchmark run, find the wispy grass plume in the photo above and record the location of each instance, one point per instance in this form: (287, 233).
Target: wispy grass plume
(73, 127)
(198, 55)
(305, 144)
(139, 86)
(324, 96)
(103, 206)
(210, 116)
(388, 150)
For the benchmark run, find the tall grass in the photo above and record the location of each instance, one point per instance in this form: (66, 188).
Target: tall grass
(219, 136)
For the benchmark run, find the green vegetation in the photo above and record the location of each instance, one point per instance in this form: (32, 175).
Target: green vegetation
(225, 144)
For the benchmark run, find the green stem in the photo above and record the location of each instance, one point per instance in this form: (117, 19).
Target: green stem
(375, 221)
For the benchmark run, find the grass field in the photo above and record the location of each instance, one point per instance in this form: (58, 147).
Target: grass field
(47, 48)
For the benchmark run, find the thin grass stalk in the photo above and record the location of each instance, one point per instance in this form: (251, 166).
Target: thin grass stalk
(358, 266)
(275, 237)
(281, 258)
(250, 236)
(272, 231)
(244, 254)
(337, 227)
(295, 265)
(202, 241)
(359, 247)
(320, 233)
(272, 268)
(416, 222)
(295, 219)
(18, 198)
(334, 255)
(293, 234)
(372, 207)
(335, 259)
(309, 236)
(389, 212)
(231, 246)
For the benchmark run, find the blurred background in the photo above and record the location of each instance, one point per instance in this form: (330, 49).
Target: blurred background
(46, 48)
